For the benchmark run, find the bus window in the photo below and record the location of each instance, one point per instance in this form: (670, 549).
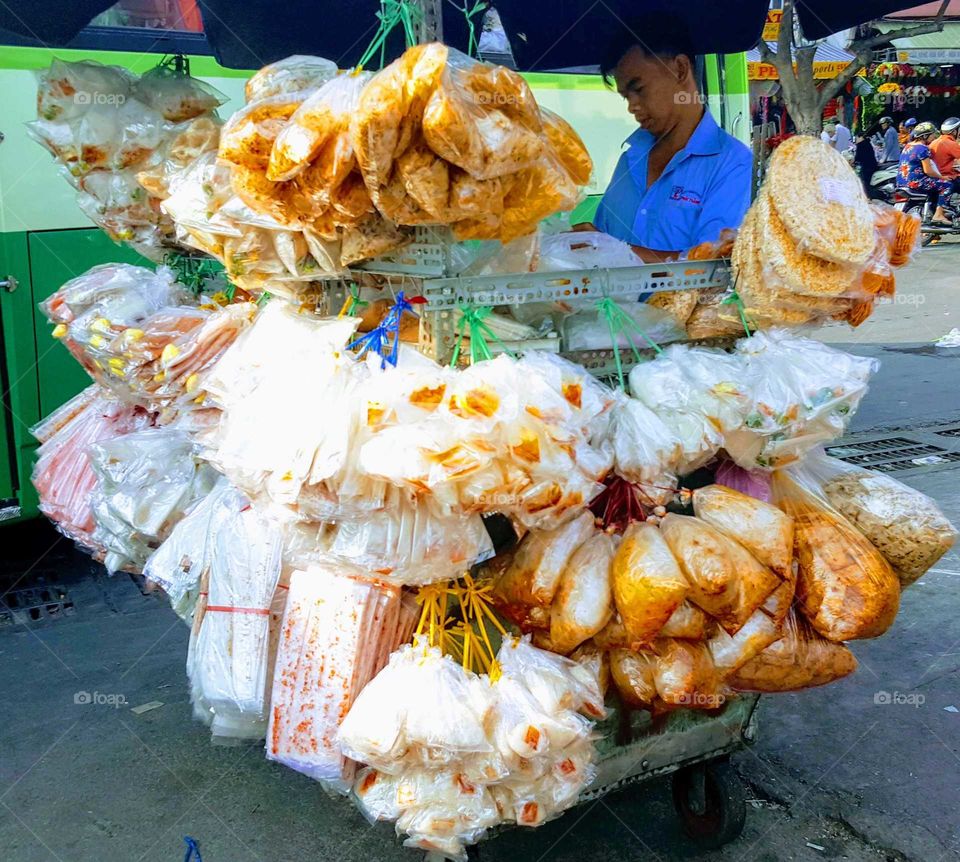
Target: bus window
(179, 15)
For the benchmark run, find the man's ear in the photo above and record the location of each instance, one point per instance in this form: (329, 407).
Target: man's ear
(683, 67)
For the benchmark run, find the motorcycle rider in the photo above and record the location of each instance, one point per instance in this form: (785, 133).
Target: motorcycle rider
(946, 151)
(919, 172)
(891, 143)
(906, 128)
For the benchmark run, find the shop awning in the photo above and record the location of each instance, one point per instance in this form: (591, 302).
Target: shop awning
(544, 34)
(941, 47)
(828, 62)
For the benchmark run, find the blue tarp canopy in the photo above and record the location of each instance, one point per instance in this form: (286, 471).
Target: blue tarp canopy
(544, 34)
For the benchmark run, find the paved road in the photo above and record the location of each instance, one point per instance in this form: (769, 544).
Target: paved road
(835, 774)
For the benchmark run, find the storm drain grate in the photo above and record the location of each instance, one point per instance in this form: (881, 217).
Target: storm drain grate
(889, 451)
(913, 463)
(874, 445)
(34, 605)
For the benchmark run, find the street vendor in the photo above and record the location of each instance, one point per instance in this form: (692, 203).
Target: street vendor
(682, 179)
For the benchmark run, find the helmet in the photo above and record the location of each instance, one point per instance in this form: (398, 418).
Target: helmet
(950, 124)
(888, 120)
(909, 124)
(923, 130)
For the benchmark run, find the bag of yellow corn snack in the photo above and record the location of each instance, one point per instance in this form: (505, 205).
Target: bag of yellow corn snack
(845, 588)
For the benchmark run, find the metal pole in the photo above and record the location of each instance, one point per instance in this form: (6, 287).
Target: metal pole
(430, 27)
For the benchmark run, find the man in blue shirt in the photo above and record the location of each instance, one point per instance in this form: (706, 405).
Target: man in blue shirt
(682, 179)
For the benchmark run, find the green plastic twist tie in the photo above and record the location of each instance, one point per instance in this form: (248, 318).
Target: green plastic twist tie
(472, 321)
(618, 321)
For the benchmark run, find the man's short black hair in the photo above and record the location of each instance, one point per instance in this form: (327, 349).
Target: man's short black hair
(657, 34)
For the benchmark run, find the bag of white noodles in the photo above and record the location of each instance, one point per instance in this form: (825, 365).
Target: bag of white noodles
(233, 644)
(905, 525)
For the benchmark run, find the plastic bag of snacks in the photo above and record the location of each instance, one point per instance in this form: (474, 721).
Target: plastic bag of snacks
(800, 659)
(906, 526)
(179, 564)
(233, 644)
(725, 579)
(802, 394)
(648, 585)
(422, 709)
(525, 588)
(292, 74)
(698, 394)
(318, 129)
(583, 602)
(63, 474)
(761, 528)
(845, 588)
(336, 632)
(177, 97)
(645, 450)
(66, 90)
(147, 481)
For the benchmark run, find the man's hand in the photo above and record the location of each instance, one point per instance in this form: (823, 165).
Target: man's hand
(650, 255)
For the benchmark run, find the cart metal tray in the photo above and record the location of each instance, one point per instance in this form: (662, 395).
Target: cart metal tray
(446, 296)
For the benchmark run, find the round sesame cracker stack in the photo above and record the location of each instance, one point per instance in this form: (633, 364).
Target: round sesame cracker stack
(820, 201)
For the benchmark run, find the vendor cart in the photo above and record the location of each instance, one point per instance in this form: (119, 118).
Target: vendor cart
(692, 746)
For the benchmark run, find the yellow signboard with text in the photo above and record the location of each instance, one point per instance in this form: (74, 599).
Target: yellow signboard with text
(771, 29)
(821, 71)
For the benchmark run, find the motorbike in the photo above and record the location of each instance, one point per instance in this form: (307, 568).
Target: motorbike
(884, 182)
(924, 204)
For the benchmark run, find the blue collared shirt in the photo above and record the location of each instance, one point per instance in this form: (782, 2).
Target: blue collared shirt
(704, 188)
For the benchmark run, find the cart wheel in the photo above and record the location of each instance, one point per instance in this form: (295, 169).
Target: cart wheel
(711, 802)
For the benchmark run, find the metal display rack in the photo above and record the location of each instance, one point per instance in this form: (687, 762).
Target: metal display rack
(425, 267)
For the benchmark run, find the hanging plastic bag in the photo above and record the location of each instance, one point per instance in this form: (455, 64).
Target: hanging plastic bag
(645, 450)
(845, 588)
(63, 473)
(318, 129)
(803, 394)
(328, 652)
(906, 526)
(247, 137)
(648, 585)
(685, 675)
(292, 74)
(569, 149)
(760, 527)
(177, 97)
(583, 603)
(725, 579)
(66, 90)
(753, 483)
(526, 588)
(634, 675)
(800, 659)
(483, 119)
(233, 645)
(147, 481)
(730, 653)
